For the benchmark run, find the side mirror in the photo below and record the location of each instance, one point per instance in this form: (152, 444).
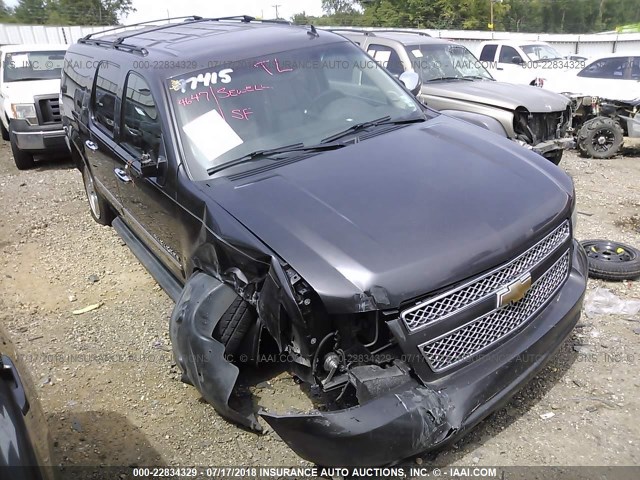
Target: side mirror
(411, 81)
(516, 59)
(148, 166)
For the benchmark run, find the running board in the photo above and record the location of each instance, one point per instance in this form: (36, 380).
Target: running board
(159, 273)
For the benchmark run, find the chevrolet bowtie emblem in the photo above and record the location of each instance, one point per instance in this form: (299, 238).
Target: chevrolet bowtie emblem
(515, 291)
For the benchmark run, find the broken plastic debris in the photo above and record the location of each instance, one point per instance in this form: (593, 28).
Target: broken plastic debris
(547, 416)
(602, 301)
(88, 308)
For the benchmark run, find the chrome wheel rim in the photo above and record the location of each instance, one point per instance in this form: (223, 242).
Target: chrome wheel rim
(91, 194)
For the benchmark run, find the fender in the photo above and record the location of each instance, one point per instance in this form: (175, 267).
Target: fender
(203, 301)
(484, 121)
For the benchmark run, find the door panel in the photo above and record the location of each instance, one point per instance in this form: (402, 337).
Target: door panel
(148, 201)
(103, 129)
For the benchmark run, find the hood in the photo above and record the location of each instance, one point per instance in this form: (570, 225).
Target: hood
(23, 92)
(401, 214)
(503, 95)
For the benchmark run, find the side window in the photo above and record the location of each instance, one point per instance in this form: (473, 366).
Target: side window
(614, 67)
(105, 93)
(140, 132)
(387, 57)
(635, 68)
(488, 53)
(508, 53)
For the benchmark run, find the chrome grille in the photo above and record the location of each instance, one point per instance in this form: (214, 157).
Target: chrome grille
(474, 337)
(452, 301)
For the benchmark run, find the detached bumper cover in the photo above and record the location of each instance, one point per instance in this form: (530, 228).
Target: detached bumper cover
(414, 418)
(38, 138)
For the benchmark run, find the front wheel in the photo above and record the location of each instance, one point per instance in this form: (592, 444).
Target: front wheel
(600, 137)
(98, 206)
(5, 132)
(22, 159)
(554, 157)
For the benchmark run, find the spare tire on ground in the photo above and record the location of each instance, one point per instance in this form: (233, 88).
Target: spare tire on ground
(610, 260)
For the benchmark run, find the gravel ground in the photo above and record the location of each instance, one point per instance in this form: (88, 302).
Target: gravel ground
(112, 393)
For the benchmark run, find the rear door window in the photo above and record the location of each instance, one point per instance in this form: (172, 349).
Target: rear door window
(488, 53)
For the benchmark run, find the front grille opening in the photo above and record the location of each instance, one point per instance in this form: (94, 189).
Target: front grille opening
(49, 111)
(477, 336)
(451, 302)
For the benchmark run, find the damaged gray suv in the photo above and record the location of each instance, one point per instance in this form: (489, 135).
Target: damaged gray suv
(457, 84)
(299, 204)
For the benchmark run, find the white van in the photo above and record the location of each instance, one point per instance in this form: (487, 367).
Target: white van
(29, 100)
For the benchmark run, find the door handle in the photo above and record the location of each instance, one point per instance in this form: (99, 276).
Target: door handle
(122, 175)
(91, 145)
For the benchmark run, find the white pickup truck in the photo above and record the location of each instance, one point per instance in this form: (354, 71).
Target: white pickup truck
(527, 62)
(29, 100)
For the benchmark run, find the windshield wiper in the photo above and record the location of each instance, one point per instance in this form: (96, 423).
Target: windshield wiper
(372, 123)
(476, 77)
(439, 79)
(26, 79)
(258, 154)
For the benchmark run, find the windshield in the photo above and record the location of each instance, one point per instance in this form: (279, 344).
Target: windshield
(298, 97)
(24, 66)
(442, 61)
(541, 52)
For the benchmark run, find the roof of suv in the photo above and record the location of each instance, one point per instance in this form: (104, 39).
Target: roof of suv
(195, 39)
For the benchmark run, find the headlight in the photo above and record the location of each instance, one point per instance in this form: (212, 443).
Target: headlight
(26, 111)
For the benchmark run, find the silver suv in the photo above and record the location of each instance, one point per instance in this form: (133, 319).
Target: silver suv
(455, 82)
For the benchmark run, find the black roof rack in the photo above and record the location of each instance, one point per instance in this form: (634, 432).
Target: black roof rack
(372, 33)
(396, 30)
(354, 30)
(190, 19)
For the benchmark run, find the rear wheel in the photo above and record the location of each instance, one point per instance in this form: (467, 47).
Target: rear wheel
(98, 206)
(600, 137)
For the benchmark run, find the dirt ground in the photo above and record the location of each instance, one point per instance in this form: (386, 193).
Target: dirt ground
(112, 393)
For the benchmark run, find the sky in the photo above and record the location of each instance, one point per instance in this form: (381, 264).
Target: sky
(154, 9)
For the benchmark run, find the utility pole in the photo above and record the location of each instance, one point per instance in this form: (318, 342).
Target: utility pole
(276, 7)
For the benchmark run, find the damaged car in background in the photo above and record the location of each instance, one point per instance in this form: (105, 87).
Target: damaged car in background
(457, 84)
(411, 270)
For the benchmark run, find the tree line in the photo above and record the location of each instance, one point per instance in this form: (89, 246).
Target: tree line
(65, 12)
(548, 16)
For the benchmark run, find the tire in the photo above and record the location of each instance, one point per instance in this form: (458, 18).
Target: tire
(100, 209)
(22, 159)
(5, 132)
(612, 260)
(234, 325)
(600, 137)
(555, 156)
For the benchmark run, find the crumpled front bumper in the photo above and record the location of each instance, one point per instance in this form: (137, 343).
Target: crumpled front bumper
(549, 146)
(414, 418)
